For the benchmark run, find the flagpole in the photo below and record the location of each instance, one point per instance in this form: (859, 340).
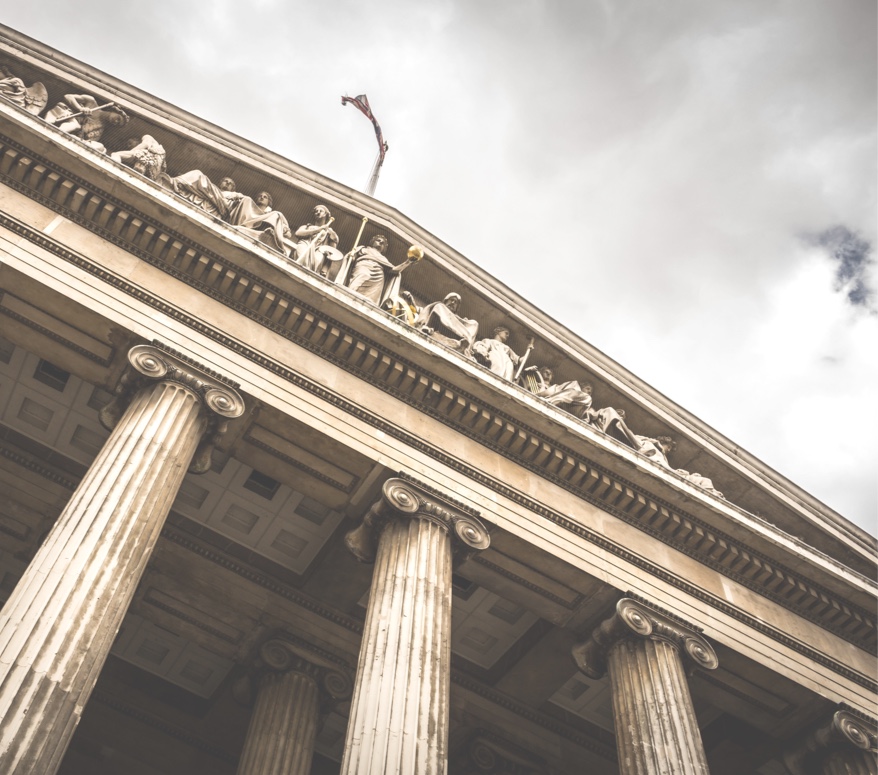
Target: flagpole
(361, 103)
(373, 178)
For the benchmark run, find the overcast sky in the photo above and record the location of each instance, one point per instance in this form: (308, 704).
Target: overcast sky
(690, 185)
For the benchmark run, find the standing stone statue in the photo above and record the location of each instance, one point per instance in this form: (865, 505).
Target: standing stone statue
(81, 115)
(371, 273)
(498, 356)
(440, 321)
(32, 98)
(317, 242)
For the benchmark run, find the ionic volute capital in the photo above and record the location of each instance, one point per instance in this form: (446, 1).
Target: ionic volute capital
(404, 499)
(152, 363)
(277, 656)
(634, 619)
(847, 731)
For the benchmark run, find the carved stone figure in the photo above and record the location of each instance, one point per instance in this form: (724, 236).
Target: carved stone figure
(146, 157)
(32, 98)
(370, 271)
(569, 396)
(441, 321)
(656, 449)
(82, 116)
(612, 422)
(498, 356)
(317, 242)
(659, 448)
(195, 187)
(257, 218)
(700, 481)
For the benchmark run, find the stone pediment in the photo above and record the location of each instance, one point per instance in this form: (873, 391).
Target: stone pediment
(754, 536)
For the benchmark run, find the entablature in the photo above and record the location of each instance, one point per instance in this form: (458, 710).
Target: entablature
(209, 256)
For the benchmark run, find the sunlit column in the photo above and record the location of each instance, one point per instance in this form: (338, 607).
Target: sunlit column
(57, 627)
(642, 649)
(399, 712)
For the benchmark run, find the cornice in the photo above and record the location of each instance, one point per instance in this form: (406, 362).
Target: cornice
(282, 313)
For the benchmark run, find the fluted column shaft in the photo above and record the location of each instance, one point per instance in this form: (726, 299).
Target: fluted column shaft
(656, 729)
(280, 738)
(57, 627)
(641, 649)
(399, 711)
(292, 684)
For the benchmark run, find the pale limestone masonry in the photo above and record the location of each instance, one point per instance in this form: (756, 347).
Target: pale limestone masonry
(395, 549)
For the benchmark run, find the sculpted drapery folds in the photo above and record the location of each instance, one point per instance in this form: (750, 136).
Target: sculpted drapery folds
(81, 115)
(570, 396)
(441, 321)
(256, 217)
(370, 272)
(498, 356)
(366, 270)
(317, 241)
(32, 98)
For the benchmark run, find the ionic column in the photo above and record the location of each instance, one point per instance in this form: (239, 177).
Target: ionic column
(399, 712)
(643, 651)
(847, 745)
(291, 688)
(57, 627)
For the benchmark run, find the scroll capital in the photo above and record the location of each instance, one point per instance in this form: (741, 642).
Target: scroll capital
(279, 655)
(401, 498)
(635, 619)
(157, 363)
(847, 731)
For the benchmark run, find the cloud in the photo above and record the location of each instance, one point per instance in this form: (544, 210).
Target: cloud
(853, 256)
(642, 172)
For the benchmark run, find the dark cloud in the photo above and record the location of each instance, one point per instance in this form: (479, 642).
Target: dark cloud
(853, 258)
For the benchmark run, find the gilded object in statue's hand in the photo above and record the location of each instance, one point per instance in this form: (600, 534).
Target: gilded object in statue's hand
(415, 253)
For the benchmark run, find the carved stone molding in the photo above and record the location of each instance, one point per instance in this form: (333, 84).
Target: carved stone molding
(403, 499)
(848, 740)
(279, 655)
(155, 362)
(634, 619)
(488, 754)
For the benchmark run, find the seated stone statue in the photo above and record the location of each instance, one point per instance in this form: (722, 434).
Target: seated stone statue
(257, 218)
(318, 242)
(656, 449)
(198, 189)
(569, 396)
(659, 448)
(700, 481)
(32, 98)
(498, 356)
(441, 322)
(612, 422)
(146, 157)
(81, 115)
(370, 273)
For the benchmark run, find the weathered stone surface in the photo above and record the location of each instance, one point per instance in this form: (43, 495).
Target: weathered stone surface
(399, 712)
(60, 621)
(656, 728)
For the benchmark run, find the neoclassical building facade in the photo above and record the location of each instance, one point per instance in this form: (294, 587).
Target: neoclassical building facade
(290, 486)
